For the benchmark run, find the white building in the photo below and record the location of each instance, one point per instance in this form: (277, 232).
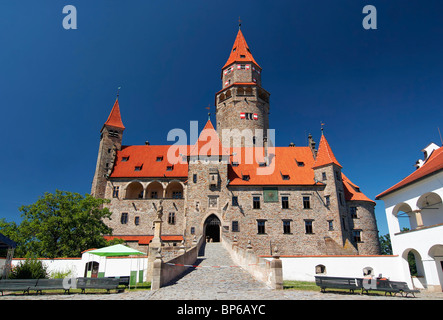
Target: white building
(416, 203)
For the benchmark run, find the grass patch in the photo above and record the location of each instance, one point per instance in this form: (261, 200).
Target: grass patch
(300, 285)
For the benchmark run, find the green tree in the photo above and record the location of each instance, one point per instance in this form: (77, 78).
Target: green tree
(59, 225)
(385, 244)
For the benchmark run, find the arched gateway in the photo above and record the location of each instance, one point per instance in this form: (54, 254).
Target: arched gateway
(212, 228)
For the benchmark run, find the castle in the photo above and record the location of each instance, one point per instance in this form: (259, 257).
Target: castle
(233, 182)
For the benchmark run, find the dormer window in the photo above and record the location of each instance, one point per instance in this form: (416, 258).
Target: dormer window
(235, 164)
(245, 177)
(242, 56)
(285, 176)
(169, 168)
(159, 158)
(233, 50)
(138, 167)
(124, 159)
(262, 164)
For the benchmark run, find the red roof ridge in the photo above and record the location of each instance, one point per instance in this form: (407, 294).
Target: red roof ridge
(115, 119)
(433, 164)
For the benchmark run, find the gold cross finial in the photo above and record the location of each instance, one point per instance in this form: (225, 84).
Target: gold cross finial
(239, 22)
(321, 124)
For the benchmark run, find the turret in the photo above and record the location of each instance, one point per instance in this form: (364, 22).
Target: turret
(110, 142)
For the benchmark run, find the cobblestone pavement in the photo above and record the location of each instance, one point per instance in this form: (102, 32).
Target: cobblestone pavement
(211, 283)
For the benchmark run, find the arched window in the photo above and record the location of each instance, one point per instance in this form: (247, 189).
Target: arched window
(320, 269)
(174, 190)
(154, 190)
(368, 271)
(134, 190)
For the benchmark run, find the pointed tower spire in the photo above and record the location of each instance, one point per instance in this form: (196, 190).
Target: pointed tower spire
(115, 119)
(240, 51)
(325, 155)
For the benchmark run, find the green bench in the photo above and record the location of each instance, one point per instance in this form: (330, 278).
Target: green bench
(98, 283)
(17, 285)
(50, 284)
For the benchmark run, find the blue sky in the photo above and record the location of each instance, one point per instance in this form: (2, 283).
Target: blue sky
(379, 92)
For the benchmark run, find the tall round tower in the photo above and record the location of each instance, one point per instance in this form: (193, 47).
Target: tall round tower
(241, 103)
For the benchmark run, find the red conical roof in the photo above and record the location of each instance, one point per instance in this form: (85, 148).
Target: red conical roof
(240, 51)
(325, 155)
(115, 119)
(208, 143)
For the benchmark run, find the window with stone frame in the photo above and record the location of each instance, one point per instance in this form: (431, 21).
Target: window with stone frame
(234, 201)
(327, 201)
(285, 202)
(261, 227)
(287, 226)
(256, 202)
(356, 234)
(115, 191)
(323, 176)
(171, 218)
(124, 218)
(137, 220)
(353, 212)
(235, 227)
(306, 202)
(308, 227)
(330, 225)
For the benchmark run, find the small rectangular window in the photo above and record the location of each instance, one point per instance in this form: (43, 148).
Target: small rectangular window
(286, 226)
(323, 176)
(261, 227)
(308, 227)
(137, 220)
(235, 227)
(256, 202)
(171, 218)
(357, 235)
(194, 178)
(159, 158)
(177, 195)
(327, 201)
(192, 230)
(285, 177)
(353, 212)
(234, 201)
(306, 203)
(245, 177)
(115, 192)
(124, 218)
(169, 168)
(330, 225)
(138, 168)
(285, 202)
(124, 159)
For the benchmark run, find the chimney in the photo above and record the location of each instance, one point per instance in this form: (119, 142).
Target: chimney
(311, 144)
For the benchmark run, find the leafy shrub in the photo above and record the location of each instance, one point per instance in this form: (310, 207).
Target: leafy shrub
(29, 269)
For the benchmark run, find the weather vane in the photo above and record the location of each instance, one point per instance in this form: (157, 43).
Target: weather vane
(209, 111)
(239, 22)
(321, 124)
(118, 91)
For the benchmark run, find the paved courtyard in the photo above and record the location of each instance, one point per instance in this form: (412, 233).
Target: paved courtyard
(216, 280)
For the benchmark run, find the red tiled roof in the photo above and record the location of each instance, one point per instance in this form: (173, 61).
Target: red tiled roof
(325, 155)
(145, 240)
(352, 191)
(432, 165)
(240, 51)
(115, 118)
(146, 157)
(283, 161)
